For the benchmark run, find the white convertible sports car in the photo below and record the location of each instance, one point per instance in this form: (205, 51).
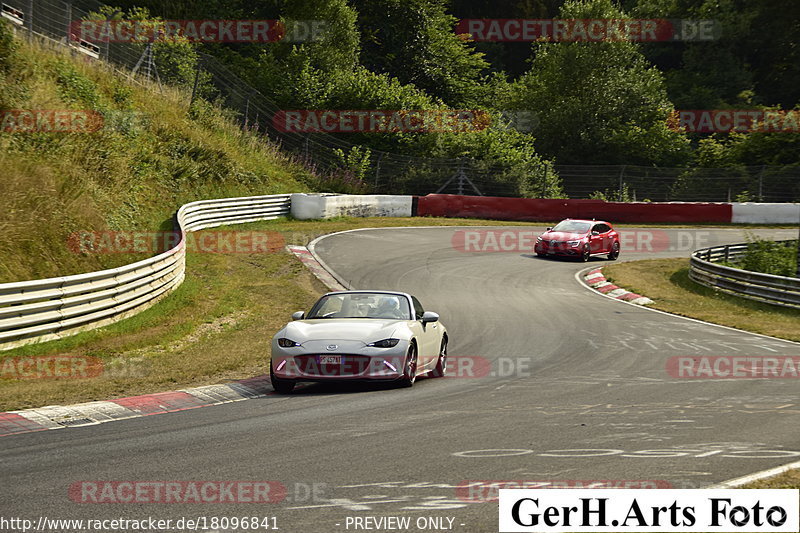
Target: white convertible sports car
(359, 335)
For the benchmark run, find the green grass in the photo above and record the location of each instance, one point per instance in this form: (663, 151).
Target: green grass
(787, 480)
(667, 283)
(129, 178)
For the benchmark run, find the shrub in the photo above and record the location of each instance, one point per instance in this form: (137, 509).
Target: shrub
(769, 257)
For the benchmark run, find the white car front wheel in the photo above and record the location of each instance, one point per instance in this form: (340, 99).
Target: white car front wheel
(410, 367)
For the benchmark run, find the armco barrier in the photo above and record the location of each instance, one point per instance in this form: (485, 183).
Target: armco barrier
(38, 310)
(542, 210)
(705, 270)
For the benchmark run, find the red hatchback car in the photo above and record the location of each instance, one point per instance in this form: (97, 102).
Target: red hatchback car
(580, 239)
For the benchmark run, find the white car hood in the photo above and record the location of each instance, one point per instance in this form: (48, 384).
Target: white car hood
(352, 329)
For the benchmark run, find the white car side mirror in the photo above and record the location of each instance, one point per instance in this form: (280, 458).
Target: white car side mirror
(299, 315)
(429, 316)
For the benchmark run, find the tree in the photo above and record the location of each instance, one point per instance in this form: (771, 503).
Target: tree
(414, 41)
(599, 102)
(508, 57)
(704, 74)
(175, 58)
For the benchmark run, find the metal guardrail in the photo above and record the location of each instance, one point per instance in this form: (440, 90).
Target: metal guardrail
(776, 290)
(46, 309)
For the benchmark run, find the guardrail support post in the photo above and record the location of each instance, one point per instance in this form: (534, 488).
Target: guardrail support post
(196, 78)
(69, 20)
(798, 247)
(30, 20)
(544, 183)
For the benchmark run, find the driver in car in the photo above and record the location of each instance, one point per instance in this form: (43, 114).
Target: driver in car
(389, 307)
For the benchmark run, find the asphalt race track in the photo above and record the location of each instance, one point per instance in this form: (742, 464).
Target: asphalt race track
(552, 383)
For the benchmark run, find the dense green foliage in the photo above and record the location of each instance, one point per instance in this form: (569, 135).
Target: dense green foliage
(769, 257)
(607, 102)
(595, 102)
(617, 114)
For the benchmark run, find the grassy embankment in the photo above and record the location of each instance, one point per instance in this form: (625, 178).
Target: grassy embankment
(667, 283)
(152, 154)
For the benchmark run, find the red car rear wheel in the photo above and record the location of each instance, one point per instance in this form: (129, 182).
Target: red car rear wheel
(614, 253)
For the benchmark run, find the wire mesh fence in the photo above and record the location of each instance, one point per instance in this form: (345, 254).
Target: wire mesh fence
(636, 183)
(389, 172)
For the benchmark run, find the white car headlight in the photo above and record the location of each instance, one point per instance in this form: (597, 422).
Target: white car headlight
(287, 343)
(385, 343)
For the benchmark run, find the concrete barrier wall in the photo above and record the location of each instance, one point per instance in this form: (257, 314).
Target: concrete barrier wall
(316, 206)
(752, 213)
(543, 210)
(319, 206)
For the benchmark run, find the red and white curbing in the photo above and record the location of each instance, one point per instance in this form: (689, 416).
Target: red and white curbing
(596, 280)
(91, 413)
(316, 268)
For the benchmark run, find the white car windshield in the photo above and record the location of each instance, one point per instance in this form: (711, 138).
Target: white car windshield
(361, 305)
(572, 226)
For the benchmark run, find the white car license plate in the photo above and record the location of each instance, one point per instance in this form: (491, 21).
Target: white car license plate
(330, 359)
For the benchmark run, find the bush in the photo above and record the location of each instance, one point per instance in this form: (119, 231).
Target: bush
(8, 46)
(74, 87)
(769, 257)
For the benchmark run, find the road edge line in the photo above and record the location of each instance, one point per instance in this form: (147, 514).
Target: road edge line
(755, 476)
